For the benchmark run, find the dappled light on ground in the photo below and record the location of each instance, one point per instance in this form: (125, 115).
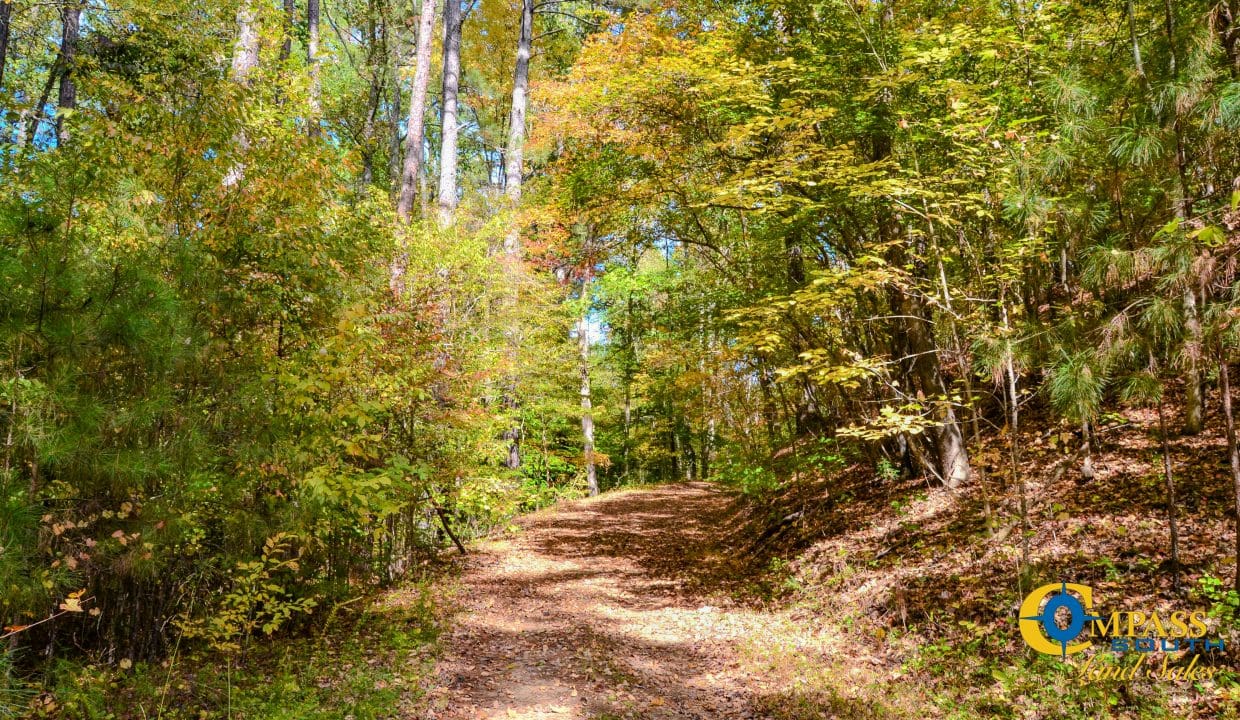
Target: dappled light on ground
(599, 609)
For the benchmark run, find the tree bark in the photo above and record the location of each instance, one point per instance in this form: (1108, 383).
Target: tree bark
(6, 13)
(587, 413)
(395, 102)
(953, 456)
(415, 133)
(312, 64)
(447, 528)
(1194, 411)
(245, 51)
(513, 168)
(1013, 401)
(1136, 47)
(1193, 392)
(374, 99)
(290, 20)
(923, 350)
(31, 128)
(447, 200)
(1087, 453)
(71, 22)
(1169, 484)
(244, 61)
(514, 155)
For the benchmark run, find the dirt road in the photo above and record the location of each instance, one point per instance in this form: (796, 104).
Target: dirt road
(602, 609)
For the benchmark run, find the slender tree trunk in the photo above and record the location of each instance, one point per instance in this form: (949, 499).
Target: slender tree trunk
(68, 45)
(31, 128)
(1194, 410)
(416, 128)
(1233, 451)
(1013, 401)
(630, 360)
(8, 435)
(312, 64)
(1136, 47)
(513, 167)
(1193, 392)
(451, 84)
(628, 426)
(395, 102)
(290, 22)
(514, 155)
(1087, 453)
(374, 98)
(587, 413)
(1169, 479)
(447, 528)
(72, 20)
(677, 459)
(6, 13)
(244, 61)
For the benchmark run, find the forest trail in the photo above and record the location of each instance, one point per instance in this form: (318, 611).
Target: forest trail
(601, 609)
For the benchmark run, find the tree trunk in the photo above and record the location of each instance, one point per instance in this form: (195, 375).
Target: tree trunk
(514, 155)
(245, 59)
(71, 17)
(6, 12)
(1013, 401)
(312, 64)
(953, 457)
(451, 84)
(923, 351)
(1193, 392)
(1136, 47)
(1087, 453)
(587, 413)
(290, 21)
(31, 128)
(394, 105)
(628, 426)
(374, 99)
(513, 168)
(626, 376)
(1169, 481)
(412, 171)
(1194, 403)
(245, 51)
(1233, 452)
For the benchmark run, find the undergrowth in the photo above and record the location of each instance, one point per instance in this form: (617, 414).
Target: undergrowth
(366, 664)
(901, 597)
